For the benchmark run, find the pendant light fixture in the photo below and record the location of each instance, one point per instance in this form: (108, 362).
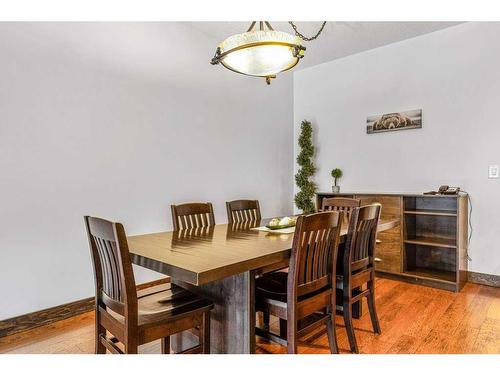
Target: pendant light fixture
(262, 52)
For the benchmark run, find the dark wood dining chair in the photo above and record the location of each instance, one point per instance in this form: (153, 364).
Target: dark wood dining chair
(345, 205)
(358, 278)
(308, 289)
(135, 317)
(243, 210)
(192, 215)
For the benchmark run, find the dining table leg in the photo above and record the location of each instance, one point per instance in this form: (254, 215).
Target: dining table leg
(232, 324)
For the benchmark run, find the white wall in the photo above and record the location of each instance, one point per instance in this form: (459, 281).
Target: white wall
(453, 75)
(103, 119)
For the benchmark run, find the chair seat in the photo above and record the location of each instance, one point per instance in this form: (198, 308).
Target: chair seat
(272, 286)
(166, 302)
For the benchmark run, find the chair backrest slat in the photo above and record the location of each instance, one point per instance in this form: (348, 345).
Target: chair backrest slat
(345, 205)
(314, 253)
(192, 215)
(361, 238)
(243, 210)
(114, 278)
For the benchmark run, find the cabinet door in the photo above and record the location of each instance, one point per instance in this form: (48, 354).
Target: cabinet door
(388, 250)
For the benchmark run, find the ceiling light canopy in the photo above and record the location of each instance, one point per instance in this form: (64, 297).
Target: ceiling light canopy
(262, 52)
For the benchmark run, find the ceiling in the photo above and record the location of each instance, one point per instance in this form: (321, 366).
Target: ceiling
(338, 39)
(178, 53)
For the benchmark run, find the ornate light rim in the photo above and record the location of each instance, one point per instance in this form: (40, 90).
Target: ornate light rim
(253, 35)
(219, 56)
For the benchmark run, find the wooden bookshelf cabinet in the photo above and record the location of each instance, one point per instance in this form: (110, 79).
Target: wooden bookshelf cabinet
(430, 245)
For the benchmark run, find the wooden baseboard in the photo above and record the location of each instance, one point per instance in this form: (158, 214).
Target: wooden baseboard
(484, 279)
(43, 317)
(40, 318)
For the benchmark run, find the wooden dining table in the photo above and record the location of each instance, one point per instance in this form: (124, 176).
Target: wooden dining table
(221, 263)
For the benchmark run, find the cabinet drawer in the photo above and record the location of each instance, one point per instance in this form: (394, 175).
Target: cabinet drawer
(388, 251)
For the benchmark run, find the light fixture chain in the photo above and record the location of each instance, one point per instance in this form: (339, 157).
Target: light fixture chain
(301, 36)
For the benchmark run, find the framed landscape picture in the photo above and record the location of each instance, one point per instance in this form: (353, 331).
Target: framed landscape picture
(394, 121)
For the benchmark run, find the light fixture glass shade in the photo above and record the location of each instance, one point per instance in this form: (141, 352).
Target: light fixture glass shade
(260, 53)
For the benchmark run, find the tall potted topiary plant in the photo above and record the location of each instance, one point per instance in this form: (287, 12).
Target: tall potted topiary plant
(304, 198)
(336, 174)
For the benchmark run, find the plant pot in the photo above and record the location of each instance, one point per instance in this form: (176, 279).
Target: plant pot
(335, 189)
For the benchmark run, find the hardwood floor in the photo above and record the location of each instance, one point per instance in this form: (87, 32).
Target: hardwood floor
(413, 318)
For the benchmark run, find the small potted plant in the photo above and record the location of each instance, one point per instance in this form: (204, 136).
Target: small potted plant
(336, 174)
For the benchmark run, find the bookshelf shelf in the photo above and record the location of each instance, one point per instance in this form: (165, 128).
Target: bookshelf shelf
(430, 212)
(433, 241)
(430, 274)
